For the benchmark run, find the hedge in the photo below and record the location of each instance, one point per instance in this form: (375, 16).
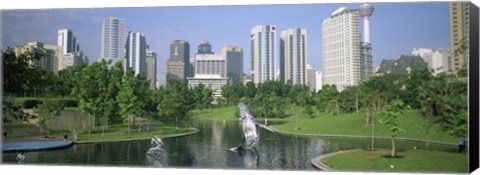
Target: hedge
(29, 103)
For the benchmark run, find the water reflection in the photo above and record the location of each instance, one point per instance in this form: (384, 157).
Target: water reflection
(209, 149)
(156, 156)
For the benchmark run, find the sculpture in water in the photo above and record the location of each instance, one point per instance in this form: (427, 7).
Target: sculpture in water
(249, 126)
(156, 155)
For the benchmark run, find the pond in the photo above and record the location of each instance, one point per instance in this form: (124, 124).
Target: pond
(210, 149)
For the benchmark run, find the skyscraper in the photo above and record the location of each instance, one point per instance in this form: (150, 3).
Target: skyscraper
(204, 48)
(113, 39)
(234, 57)
(262, 46)
(211, 71)
(366, 69)
(459, 34)
(151, 59)
(293, 56)
(341, 48)
(65, 40)
(136, 52)
(178, 63)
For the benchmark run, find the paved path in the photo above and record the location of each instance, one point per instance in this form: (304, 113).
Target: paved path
(317, 161)
(34, 145)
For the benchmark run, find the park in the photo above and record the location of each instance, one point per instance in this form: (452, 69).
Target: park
(393, 123)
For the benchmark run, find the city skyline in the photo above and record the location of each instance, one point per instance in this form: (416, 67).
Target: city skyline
(420, 24)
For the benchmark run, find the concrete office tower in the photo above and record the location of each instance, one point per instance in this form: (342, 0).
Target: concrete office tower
(211, 71)
(234, 57)
(341, 48)
(49, 61)
(151, 59)
(262, 46)
(293, 56)
(136, 49)
(66, 41)
(366, 62)
(178, 63)
(210, 64)
(459, 35)
(113, 40)
(204, 48)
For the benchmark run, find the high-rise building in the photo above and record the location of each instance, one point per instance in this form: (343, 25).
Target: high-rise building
(151, 59)
(204, 48)
(210, 64)
(234, 57)
(293, 56)
(178, 63)
(459, 34)
(66, 41)
(341, 48)
(113, 40)
(211, 71)
(51, 55)
(72, 55)
(262, 46)
(136, 49)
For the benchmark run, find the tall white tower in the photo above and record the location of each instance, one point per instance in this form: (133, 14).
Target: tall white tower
(262, 43)
(366, 11)
(366, 57)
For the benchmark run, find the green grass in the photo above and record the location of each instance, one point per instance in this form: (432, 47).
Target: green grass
(409, 161)
(18, 125)
(120, 132)
(343, 124)
(221, 113)
(354, 124)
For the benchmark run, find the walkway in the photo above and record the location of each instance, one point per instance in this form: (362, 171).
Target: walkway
(15, 146)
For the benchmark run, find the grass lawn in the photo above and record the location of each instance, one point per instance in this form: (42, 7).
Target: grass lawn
(409, 161)
(343, 124)
(354, 124)
(120, 132)
(221, 113)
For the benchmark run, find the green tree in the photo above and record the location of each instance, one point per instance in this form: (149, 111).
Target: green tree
(115, 75)
(390, 119)
(17, 71)
(142, 92)
(177, 102)
(49, 109)
(327, 99)
(127, 99)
